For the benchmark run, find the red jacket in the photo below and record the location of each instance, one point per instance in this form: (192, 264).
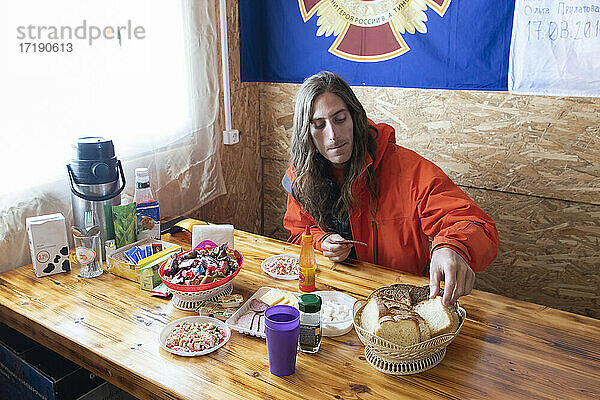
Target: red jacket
(417, 202)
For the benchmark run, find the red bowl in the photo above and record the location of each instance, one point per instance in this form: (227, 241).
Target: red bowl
(207, 286)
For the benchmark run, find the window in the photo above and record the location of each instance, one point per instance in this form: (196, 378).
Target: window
(140, 72)
(122, 76)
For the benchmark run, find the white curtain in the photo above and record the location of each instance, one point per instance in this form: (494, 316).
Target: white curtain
(154, 94)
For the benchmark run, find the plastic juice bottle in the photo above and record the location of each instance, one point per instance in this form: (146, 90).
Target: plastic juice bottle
(306, 263)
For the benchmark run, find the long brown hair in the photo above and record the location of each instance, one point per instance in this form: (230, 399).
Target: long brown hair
(310, 187)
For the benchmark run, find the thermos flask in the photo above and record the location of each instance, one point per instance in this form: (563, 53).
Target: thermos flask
(94, 173)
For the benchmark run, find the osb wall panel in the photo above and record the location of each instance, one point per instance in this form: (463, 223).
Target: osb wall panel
(548, 253)
(241, 163)
(543, 146)
(275, 198)
(537, 145)
(532, 163)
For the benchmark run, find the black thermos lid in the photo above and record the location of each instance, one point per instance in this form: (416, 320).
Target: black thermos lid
(94, 161)
(94, 148)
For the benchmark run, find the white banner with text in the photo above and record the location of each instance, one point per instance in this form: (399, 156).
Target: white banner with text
(555, 48)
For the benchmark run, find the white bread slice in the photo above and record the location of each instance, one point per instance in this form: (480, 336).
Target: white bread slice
(369, 319)
(403, 332)
(440, 318)
(377, 307)
(394, 321)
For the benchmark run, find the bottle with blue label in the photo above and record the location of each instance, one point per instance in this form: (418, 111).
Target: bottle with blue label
(148, 215)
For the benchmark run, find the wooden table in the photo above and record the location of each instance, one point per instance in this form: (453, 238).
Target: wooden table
(506, 349)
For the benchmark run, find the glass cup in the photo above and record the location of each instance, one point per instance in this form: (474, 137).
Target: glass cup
(88, 253)
(282, 328)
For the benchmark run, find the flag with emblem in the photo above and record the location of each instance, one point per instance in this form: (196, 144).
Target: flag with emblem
(446, 44)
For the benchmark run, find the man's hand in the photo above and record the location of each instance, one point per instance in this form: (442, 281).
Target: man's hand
(457, 274)
(337, 252)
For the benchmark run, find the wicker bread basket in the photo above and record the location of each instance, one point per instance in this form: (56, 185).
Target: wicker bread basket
(394, 359)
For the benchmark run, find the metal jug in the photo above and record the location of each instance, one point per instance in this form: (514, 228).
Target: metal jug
(94, 177)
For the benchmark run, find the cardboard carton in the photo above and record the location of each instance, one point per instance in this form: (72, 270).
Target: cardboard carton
(48, 244)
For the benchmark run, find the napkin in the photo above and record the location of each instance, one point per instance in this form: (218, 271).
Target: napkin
(216, 233)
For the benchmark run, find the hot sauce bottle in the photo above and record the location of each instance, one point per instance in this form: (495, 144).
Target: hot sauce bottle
(306, 263)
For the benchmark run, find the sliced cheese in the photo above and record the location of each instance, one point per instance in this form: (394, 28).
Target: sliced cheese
(275, 296)
(285, 301)
(279, 300)
(291, 299)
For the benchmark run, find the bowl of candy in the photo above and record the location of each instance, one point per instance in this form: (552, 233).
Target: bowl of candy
(200, 274)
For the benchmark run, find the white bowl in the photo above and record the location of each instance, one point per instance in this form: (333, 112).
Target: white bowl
(337, 328)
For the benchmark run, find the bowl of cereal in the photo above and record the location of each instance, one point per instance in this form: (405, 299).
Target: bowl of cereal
(336, 312)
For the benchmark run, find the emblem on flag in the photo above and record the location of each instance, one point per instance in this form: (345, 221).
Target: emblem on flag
(370, 30)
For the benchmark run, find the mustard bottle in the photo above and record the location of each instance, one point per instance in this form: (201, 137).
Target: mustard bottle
(306, 263)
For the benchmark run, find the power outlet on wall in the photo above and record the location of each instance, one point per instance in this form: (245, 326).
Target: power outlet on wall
(231, 137)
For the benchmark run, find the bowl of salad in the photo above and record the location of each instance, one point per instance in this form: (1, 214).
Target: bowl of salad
(194, 336)
(281, 266)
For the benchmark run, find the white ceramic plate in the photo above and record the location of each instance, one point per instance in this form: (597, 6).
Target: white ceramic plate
(272, 259)
(162, 338)
(338, 328)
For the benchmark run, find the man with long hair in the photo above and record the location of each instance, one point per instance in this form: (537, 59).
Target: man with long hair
(349, 180)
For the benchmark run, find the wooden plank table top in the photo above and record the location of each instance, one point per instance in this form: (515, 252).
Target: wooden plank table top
(506, 349)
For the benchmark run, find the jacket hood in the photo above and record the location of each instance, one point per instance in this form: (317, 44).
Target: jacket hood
(383, 134)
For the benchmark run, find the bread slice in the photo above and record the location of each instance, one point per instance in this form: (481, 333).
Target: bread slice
(369, 319)
(440, 318)
(405, 315)
(377, 307)
(394, 321)
(397, 295)
(403, 330)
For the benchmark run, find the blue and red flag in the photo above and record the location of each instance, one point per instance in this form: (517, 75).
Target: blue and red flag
(442, 44)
